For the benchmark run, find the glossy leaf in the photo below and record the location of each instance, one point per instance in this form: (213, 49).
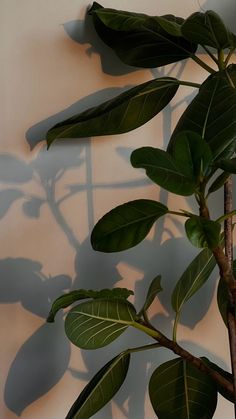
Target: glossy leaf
(218, 182)
(126, 225)
(162, 169)
(192, 154)
(71, 297)
(208, 29)
(103, 386)
(193, 278)
(178, 390)
(94, 324)
(228, 165)
(203, 232)
(211, 114)
(153, 290)
(140, 40)
(224, 374)
(123, 113)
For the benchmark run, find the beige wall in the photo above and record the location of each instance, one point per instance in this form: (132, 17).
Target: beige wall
(49, 202)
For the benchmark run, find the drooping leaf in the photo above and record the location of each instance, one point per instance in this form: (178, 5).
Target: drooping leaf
(228, 165)
(126, 225)
(193, 278)
(162, 169)
(153, 290)
(192, 154)
(224, 374)
(202, 232)
(218, 182)
(123, 113)
(140, 40)
(71, 297)
(96, 323)
(178, 390)
(208, 29)
(211, 114)
(103, 386)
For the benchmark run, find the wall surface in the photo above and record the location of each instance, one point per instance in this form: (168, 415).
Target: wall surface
(53, 66)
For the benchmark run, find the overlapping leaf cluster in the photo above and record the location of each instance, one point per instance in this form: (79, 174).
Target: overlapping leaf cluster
(198, 161)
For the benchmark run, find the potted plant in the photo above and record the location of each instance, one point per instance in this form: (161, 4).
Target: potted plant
(198, 161)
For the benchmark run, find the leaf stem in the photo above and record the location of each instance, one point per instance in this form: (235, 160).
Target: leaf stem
(202, 64)
(210, 54)
(226, 216)
(176, 322)
(189, 83)
(229, 56)
(142, 348)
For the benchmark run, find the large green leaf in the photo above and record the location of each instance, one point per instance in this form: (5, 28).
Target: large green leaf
(178, 390)
(203, 232)
(192, 154)
(71, 297)
(124, 113)
(211, 114)
(162, 169)
(103, 386)
(96, 323)
(140, 40)
(208, 29)
(126, 225)
(154, 289)
(193, 278)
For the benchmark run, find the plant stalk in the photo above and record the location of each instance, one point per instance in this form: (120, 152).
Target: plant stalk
(228, 193)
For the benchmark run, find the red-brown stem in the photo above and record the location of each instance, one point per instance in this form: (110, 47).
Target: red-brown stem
(228, 191)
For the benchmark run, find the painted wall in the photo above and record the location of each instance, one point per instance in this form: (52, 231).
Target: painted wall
(53, 66)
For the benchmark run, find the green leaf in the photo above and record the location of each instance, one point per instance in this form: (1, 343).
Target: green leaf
(71, 297)
(94, 324)
(193, 278)
(211, 114)
(219, 182)
(140, 40)
(124, 113)
(162, 169)
(126, 225)
(192, 154)
(153, 290)
(103, 386)
(202, 232)
(228, 165)
(224, 374)
(208, 29)
(178, 390)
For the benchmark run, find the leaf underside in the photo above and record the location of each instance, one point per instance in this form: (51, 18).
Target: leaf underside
(94, 324)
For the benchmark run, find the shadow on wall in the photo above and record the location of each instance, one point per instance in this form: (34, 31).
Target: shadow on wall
(44, 357)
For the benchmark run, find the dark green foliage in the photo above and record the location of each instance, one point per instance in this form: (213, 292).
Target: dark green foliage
(140, 40)
(208, 29)
(67, 299)
(211, 114)
(103, 386)
(178, 390)
(203, 232)
(202, 143)
(126, 225)
(97, 323)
